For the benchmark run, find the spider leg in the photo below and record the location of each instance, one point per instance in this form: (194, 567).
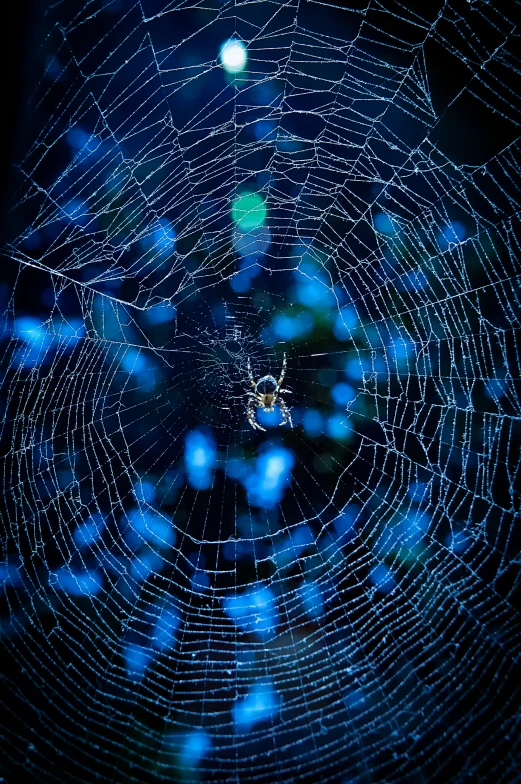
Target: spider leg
(286, 416)
(251, 417)
(286, 391)
(282, 372)
(250, 375)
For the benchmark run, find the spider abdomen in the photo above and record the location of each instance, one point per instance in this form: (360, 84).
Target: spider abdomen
(266, 386)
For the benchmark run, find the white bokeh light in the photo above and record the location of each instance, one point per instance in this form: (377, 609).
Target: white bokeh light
(234, 56)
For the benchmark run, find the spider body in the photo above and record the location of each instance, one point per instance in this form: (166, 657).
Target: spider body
(266, 388)
(267, 396)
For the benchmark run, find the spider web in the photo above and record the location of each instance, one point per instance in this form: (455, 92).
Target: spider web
(187, 599)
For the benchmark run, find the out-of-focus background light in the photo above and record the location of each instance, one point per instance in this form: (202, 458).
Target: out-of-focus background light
(249, 211)
(234, 56)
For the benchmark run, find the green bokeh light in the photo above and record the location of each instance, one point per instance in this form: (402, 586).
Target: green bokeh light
(249, 211)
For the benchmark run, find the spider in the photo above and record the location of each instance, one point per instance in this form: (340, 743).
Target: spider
(266, 395)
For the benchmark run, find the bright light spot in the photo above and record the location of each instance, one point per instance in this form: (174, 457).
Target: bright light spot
(313, 288)
(31, 330)
(199, 457)
(234, 56)
(248, 211)
(357, 367)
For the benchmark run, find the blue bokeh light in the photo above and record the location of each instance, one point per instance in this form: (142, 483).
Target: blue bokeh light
(147, 562)
(147, 525)
(385, 224)
(267, 483)
(36, 338)
(253, 243)
(495, 388)
(344, 524)
(339, 427)
(382, 578)
(346, 320)
(133, 361)
(145, 490)
(312, 599)
(254, 611)
(90, 531)
(77, 583)
(343, 394)
(363, 364)
(161, 313)
(452, 234)
(286, 549)
(165, 631)
(77, 210)
(200, 458)
(313, 289)
(82, 142)
(136, 658)
(313, 423)
(261, 704)
(195, 746)
(265, 130)
(292, 327)
(160, 237)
